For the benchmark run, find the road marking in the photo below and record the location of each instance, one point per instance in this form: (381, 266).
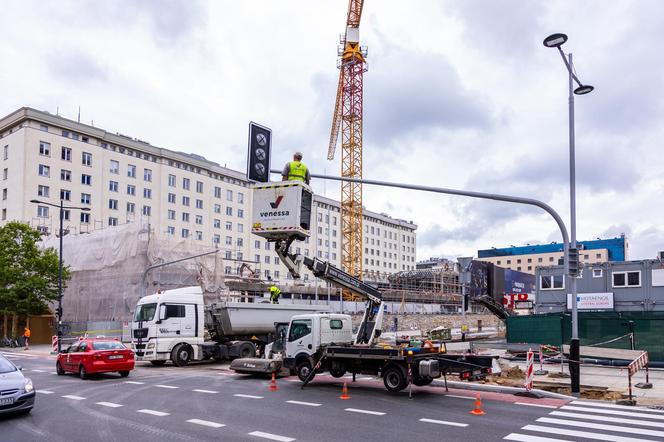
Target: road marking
(612, 412)
(293, 380)
(617, 420)
(460, 397)
(586, 434)
(166, 386)
(535, 405)
(75, 398)
(205, 391)
(38, 371)
(248, 396)
(621, 407)
(595, 426)
(271, 436)
(311, 404)
(53, 372)
(364, 379)
(44, 392)
(206, 423)
(453, 424)
(153, 412)
(109, 404)
(529, 438)
(358, 410)
(134, 382)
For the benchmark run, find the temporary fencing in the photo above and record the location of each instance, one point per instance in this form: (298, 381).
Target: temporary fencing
(529, 370)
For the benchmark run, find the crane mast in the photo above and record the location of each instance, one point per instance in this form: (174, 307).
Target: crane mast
(348, 118)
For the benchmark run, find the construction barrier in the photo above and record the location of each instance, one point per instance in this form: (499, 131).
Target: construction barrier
(54, 343)
(633, 367)
(530, 359)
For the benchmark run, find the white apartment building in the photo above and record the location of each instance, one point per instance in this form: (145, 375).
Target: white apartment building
(182, 197)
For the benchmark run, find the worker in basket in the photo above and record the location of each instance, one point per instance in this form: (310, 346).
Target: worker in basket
(275, 293)
(296, 170)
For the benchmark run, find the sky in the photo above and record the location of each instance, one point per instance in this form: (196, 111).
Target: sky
(459, 94)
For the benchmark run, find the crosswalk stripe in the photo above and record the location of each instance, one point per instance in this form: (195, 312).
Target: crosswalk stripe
(206, 423)
(109, 404)
(271, 436)
(153, 412)
(597, 426)
(531, 438)
(586, 434)
(617, 420)
(612, 412)
(621, 407)
(452, 424)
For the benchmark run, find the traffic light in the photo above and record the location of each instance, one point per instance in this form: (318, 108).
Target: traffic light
(258, 158)
(573, 262)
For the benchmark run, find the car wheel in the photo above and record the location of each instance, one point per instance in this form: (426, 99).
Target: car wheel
(158, 363)
(58, 369)
(124, 373)
(303, 369)
(181, 355)
(82, 373)
(394, 379)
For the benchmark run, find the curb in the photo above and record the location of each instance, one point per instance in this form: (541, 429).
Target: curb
(20, 351)
(501, 389)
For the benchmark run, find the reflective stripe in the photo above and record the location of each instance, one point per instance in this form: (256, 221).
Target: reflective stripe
(297, 171)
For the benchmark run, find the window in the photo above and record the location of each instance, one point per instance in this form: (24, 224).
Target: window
(539, 259)
(199, 187)
(147, 174)
(170, 230)
(216, 223)
(112, 221)
(552, 282)
(85, 218)
(229, 211)
(5, 152)
(199, 235)
(229, 241)
(131, 208)
(42, 211)
(171, 180)
(185, 183)
(86, 179)
(147, 193)
(550, 258)
(171, 214)
(131, 190)
(85, 198)
(586, 256)
(240, 213)
(44, 170)
(66, 153)
(217, 192)
(5, 172)
(257, 245)
(86, 159)
(229, 195)
(299, 328)
(171, 198)
(240, 197)
(113, 204)
(598, 255)
(217, 208)
(4, 194)
(185, 201)
(597, 273)
(199, 204)
(240, 228)
(65, 175)
(43, 191)
(627, 279)
(65, 194)
(216, 239)
(114, 167)
(131, 171)
(229, 225)
(518, 261)
(113, 186)
(185, 233)
(239, 256)
(43, 127)
(45, 148)
(199, 219)
(185, 217)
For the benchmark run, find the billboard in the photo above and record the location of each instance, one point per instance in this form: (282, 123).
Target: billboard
(591, 301)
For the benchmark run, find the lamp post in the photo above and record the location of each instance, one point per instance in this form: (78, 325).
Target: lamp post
(60, 206)
(571, 260)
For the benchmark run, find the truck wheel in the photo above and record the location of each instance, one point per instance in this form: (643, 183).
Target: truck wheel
(303, 369)
(394, 379)
(181, 355)
(337, 369)
(422, 381)
(247, 350)
(158, 363)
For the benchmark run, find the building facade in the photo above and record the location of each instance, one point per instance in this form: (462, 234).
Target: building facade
(181, 197)
(529, 258)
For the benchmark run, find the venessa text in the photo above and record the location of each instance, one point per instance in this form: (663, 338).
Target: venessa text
(276, 213)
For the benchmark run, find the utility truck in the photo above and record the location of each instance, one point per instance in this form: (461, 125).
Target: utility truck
(318, 342)
(177, 325)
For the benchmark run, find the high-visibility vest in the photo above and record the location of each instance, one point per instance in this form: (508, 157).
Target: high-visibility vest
(297, 171)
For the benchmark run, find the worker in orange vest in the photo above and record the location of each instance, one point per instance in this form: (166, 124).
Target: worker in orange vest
(26, 337)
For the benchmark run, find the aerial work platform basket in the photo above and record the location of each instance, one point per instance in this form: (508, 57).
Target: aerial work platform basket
(281, 210)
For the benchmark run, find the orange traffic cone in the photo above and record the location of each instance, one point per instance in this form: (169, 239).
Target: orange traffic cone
(478, 406)
(344, 392)
(273, 383)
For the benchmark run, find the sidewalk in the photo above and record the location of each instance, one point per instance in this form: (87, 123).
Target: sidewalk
(35, 350)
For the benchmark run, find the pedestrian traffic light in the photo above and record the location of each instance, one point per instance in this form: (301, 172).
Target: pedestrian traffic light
(258, 158)
(573, 261)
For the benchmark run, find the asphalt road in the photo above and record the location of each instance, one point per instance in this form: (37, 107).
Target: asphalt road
(203, 402)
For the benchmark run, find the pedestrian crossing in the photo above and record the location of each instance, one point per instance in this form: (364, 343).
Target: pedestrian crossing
(11, 355)
(587, 420)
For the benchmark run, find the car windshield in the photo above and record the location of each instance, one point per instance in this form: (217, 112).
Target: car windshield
(145, 312)
(6, 366)
(108, 345)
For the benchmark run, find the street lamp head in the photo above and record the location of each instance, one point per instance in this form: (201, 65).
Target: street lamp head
(583, 89)
(35, 201)
(85, 209)
(555, 40)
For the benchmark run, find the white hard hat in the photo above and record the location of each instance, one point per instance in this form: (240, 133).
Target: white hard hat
(298, 154)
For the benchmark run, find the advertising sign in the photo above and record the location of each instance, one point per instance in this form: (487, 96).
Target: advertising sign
(591, 301)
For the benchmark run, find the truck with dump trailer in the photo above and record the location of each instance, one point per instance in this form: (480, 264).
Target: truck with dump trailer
(177, 325)
(325, 342)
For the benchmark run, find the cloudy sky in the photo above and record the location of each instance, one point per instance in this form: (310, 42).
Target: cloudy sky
(459, 94)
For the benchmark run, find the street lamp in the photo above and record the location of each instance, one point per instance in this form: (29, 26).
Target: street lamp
(60, 206)
(571, 266)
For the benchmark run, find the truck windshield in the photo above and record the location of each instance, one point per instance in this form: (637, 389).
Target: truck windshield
(145, 312)
(299, 328)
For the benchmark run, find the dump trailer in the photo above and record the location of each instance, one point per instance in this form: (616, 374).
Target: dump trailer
(177, 325)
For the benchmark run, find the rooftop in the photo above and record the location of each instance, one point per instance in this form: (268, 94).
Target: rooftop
(617, 248)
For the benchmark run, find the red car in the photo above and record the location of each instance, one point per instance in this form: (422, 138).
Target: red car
(96, 355)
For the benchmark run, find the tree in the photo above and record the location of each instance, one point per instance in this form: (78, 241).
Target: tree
(28, 274)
